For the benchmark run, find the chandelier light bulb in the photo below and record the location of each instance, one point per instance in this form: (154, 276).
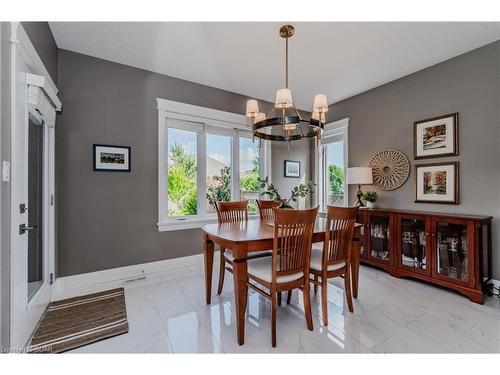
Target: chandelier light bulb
(315, 116)
(260, 117)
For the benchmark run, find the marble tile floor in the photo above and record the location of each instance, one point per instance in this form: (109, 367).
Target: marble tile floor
(390, 316)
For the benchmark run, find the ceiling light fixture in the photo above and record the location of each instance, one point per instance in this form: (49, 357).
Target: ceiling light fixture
(283, 122)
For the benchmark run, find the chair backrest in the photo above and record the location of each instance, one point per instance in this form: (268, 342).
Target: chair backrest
(293, 230)
(266, 209)
(232, 212)
(338, 237)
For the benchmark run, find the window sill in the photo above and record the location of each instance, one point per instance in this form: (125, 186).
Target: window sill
(191, 223)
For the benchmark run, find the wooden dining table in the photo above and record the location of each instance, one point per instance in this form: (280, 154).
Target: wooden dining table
(251, 237)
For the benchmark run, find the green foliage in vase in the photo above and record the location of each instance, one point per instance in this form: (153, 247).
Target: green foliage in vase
(370, 196)
(300, 191)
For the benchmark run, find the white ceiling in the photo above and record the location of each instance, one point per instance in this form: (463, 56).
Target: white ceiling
(336, 59)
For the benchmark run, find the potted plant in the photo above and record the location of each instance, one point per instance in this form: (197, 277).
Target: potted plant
(300, 191)
(370, 197)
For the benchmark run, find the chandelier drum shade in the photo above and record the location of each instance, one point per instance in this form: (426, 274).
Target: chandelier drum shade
(284, 122)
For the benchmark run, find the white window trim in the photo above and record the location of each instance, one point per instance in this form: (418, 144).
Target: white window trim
(216, 120)
(339, 127)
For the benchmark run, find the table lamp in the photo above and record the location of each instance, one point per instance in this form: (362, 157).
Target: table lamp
(359, 176)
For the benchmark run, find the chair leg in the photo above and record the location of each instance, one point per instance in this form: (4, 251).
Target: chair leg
(347, 289)
(315, 284)
(324, 303)
(279, 298)
(222, 271)
(307, 305)
(273, 318)
(289, 297)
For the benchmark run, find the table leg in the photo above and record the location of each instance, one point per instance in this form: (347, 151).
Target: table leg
(240, 276)
(208, 251)
(355, 255)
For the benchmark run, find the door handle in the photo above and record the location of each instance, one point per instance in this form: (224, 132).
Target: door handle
(23, 228)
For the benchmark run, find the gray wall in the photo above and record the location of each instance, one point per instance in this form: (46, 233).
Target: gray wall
(45, 45)
(298, 151)
(383, 118)
(107, 220)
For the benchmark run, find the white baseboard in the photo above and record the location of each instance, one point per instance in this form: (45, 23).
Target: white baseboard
(170, 268)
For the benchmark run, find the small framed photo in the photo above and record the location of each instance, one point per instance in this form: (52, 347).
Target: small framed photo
(292, 168)
(436, 137)
(436, 183)
(111, 158)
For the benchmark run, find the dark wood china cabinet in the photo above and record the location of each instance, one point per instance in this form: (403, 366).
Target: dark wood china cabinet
(453, 251)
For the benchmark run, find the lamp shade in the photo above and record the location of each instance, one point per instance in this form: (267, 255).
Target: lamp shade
(252, 108)
(359, 175)
(283, 98)
(320, 104)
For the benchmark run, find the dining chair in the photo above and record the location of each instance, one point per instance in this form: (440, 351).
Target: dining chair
(266, 209)
(266, 214)
(333, 260)
(288, 268)
(229, 212)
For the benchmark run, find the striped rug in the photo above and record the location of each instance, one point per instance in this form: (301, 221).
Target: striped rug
(78, 321)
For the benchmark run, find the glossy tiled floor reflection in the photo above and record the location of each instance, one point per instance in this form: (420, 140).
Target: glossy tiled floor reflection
(390, 315)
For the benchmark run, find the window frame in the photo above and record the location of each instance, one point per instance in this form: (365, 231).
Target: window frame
(203, 121)
(331, 130)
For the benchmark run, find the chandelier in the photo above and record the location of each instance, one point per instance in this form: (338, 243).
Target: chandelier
(284, 122)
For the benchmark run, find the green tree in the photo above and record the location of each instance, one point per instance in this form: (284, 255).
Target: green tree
(186, 161)
(251, 181)
(182, 181)
(219, 187)
(336, 179)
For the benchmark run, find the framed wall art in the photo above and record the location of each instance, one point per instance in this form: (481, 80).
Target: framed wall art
(436, 183)
(111, 158)
(292, 168)
(436, 137)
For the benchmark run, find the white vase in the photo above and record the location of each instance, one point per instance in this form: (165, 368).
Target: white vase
(370, 204)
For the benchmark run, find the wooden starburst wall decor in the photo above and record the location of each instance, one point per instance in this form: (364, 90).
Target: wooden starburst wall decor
(390, 168)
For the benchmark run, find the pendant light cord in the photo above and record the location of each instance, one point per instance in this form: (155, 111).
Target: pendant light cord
(286, 62)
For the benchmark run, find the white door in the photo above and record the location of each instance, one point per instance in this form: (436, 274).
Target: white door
(32, 210)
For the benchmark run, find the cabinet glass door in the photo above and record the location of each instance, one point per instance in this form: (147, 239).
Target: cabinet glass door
(380, 238)
(414, 244)
(452, 250)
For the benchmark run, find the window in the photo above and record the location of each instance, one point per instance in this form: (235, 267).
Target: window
(218, 170)
(182, 173)
(249, 172)
(205, 156)
(332, 155)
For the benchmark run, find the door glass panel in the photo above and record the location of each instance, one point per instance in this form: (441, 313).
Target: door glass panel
(249, 172)
(413, 244)
(218, 170)
(35, 206)
(380, 237)
(335, 173)
(452, 250)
